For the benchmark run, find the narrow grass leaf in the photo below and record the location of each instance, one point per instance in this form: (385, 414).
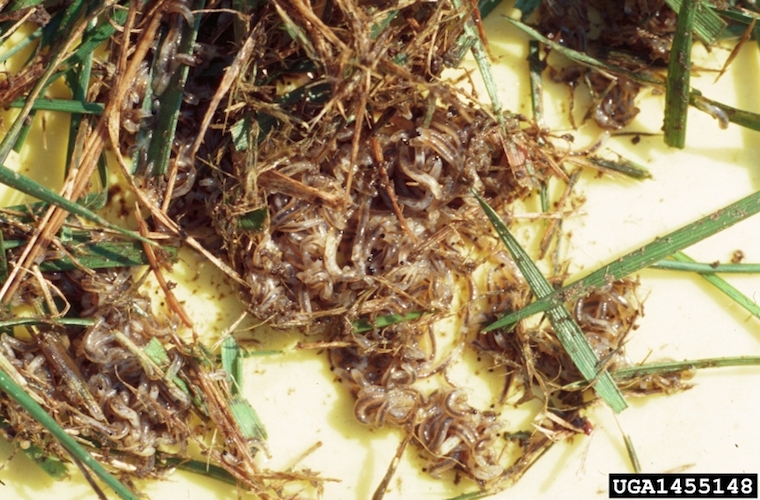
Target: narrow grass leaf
(103, 32)
(705, 268)
(202, 468)
(28, 186)
(241, 131)
(253, 220)
(21, 45)
(155, 350)
(644, 256)
(247, 419)
(232, 364)
(363, 325)
(51, 465)
(722, 285)
(568, 331)
(3, 260)
(62, 105)
(536, 66)
(46, 320)
(631, 452)
(665, 368)
(484, 64)
(104, 255)
(621, 166)
(724, 113)
(708, 25)
(679, 76)
(67, 441)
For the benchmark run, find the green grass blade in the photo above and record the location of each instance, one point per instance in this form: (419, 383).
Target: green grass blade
(669, 367)
(484, 65)
(104, 255)
(232, 364)
(363, 325)
(721, 284)
(102, 33)
(51, 465)
(679, 75)
(28, 186)
(18, 47)
(705, 268)
(622, 166)
(247, 419)
(61, 24)
(156, 351)
(253, 220)
(68, 442)
(10, 323)
(536, 66)
(725, 113)
(631, 450)
(645, 256)
(62, 105)
(3, 260)
(708, 25)
(568, 331)
(202, 468)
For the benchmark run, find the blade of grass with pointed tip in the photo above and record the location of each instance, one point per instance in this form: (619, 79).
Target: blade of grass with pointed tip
(723, 112)
(668, 367)
(536, 66)
(247, 418)
(67, 441)
(679, 76)
(622, 166)
(203, 469)
(640, 258)
(721, 284)
(51, 465)
(28, 186)
(708, 25)
(21, 45)
(3, 260)
(102, 33)
(104, 255)
(705, 268)
(631, 452)
(484, 65)
(10, 323)
(62, 105)
(569, 333)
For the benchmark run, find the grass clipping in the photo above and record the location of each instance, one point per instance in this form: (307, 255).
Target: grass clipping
(315, 147)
